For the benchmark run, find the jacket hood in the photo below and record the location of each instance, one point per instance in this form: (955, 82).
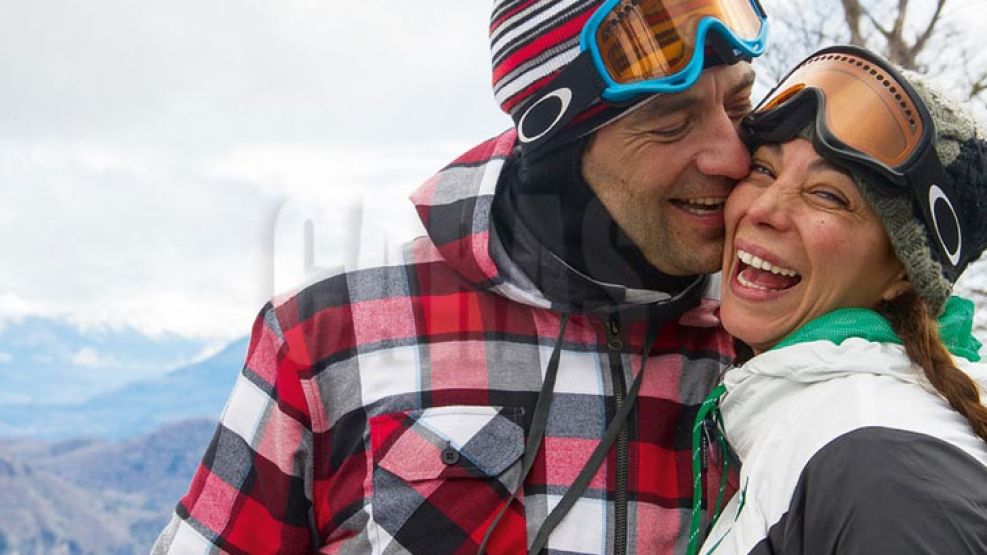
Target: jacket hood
(455, 207)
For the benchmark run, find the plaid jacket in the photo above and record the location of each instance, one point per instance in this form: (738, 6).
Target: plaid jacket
(385, 409)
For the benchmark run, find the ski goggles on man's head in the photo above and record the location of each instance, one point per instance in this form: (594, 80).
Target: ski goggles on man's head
(632, 48)
(870, 120)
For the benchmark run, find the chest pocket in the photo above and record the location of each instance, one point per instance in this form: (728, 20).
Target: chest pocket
(441, 475)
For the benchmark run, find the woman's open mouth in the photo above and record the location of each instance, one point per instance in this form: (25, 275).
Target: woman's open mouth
(756, 273)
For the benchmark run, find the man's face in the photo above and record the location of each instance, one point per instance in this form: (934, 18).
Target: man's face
(664, 170)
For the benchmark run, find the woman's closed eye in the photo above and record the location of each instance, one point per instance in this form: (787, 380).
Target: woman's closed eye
(830, 197)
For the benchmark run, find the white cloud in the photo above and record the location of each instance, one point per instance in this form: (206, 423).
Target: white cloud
(147, 150)
(190, 251)
(197, 74)
(14, 307)
(88, 358)
(5, 357)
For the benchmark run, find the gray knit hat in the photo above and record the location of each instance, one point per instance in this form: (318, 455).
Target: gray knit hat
(962, 150)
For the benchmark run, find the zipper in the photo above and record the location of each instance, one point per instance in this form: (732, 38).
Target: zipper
(615, 347)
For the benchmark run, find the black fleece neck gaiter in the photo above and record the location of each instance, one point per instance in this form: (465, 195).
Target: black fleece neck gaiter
(551, 200)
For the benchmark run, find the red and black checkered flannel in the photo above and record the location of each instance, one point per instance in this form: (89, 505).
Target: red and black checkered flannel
(385, 409)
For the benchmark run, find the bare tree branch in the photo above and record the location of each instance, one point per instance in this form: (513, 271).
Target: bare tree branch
(887, 33)
(852, 11)
(914, 35)
(923, 37)
(976, 82)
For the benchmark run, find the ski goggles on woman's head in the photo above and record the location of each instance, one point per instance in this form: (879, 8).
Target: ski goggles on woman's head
(869, 120)
(632, 48)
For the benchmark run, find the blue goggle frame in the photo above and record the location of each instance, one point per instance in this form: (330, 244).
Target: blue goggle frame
(586, 79)
(678, 82)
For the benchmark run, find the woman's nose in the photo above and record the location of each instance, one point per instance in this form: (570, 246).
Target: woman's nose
(771, 208)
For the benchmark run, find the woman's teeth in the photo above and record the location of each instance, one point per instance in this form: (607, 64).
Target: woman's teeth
(749, 284)
(757, 263)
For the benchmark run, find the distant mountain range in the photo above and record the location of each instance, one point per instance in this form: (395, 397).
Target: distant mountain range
(98, 439)
(196, 390)
(87, 497)
(53, 362)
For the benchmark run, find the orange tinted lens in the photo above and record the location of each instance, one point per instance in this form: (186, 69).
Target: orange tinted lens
(866, 108)
(656, 38)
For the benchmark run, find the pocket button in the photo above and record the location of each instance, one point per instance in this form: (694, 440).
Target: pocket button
(450, 455)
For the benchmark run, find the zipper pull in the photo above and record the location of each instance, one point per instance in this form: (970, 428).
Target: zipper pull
(614, 342)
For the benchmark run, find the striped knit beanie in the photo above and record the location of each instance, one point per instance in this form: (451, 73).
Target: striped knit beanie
(530, 41)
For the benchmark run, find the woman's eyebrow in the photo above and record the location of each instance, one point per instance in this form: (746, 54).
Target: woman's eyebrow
(775, 148)
(822, 164)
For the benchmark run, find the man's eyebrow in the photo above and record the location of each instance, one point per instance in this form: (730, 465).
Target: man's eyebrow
(666, 104)
(746, 82)
(670, 103)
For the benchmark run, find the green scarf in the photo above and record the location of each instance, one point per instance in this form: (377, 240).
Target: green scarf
(955, 328)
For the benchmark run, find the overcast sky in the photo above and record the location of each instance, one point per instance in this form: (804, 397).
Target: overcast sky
(151, 153)
(147, 149)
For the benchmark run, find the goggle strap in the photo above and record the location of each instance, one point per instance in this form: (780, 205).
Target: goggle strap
(571, 92)
(725, 52)
(936, 198)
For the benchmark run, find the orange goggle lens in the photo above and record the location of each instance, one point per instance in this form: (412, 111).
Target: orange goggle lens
(648, 39)
(865, 108)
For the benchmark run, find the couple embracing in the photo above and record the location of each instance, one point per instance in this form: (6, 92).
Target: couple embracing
(553, 368)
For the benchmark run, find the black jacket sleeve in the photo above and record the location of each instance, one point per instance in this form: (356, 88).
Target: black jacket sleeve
(882, 491)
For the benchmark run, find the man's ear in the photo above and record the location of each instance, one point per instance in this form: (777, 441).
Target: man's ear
(896, 287)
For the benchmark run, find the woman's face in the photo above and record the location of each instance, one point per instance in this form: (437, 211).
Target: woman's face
(801, 241)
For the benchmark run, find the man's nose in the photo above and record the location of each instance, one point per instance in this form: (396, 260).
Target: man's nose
(724, 153)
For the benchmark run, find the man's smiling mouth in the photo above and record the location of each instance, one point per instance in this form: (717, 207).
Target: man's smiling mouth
(701, 206)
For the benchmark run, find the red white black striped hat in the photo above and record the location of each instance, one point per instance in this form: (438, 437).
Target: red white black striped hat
(530, 42)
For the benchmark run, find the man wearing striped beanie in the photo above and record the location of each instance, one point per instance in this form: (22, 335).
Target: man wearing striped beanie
(523, 378)
(629, 192)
